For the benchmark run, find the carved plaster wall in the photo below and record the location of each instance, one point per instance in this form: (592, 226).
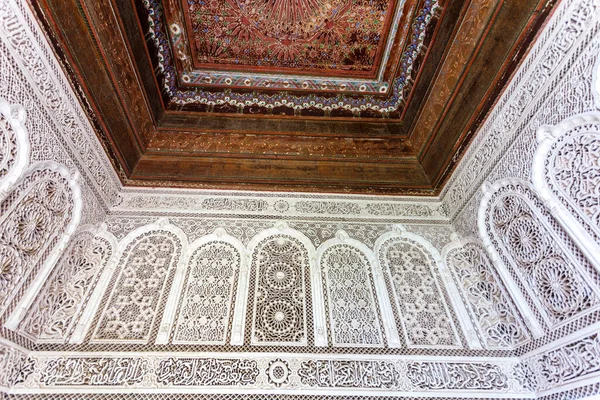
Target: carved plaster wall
(168, 291)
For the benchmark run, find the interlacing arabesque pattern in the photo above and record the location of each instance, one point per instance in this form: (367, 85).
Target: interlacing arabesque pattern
(15, 366)
(571, 167)
(8, 147)
(58, 305)
(421, 305)
(32, 219)
(352, 308)
(544, 262)
(146, 266)
(280, 295)
(206, 308)
(560, 366)
(489, 304)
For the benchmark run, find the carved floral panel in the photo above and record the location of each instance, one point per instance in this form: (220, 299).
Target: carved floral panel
(542, 254)
(8, 147)
(487, 301)
(32, 219)
(204, 316)
(146, 266)
(353, 313)
(58, 305)
(410, 268)
(281, 265)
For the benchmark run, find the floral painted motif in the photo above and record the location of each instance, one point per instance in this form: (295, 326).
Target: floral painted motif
(309, 34)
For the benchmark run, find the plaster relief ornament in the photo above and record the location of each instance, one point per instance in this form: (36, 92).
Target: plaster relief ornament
(37, 216)
(14, 145)
(54, 314)
(147, 266)
(281, 265)
(204, 315)
(353, 312)
(411, 271)
(487, 301)
(520, 231)
(566, 172)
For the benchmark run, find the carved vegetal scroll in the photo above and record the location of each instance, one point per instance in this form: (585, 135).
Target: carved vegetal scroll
(351, 298)
(206, 308)
(520, 232)
(59, 304)
(566, 173)
(489, 304)
(36, 217)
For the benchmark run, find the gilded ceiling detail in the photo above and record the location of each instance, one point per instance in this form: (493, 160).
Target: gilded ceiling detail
(323, 35)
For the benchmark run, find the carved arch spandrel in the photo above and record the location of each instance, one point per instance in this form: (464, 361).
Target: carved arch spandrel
(412, 268)
(357, 303)
(149, 257)
(566, 174)
(535, 256)
(285, 290)
(492, 310)
(37, 219)
(14, 145)
(58, 307)
(202, 307)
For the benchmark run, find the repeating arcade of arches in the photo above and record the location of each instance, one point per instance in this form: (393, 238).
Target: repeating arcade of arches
(497, 286)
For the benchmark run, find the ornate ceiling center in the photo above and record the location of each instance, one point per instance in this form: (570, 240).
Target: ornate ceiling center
(343, 36)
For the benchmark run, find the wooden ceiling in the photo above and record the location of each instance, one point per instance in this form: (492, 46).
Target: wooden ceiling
(353, 96)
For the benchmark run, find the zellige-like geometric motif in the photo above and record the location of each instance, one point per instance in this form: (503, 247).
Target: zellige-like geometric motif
(146, 265)
(279, 315)
(207, 303)
(353, 313)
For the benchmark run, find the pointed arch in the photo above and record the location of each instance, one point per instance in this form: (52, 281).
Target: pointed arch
(62, 300)
(357, 304)
(412, 266)
(206, 292)
(490, 306)
(37, 219)
(149, 258)
(285, 298)
(535, 256)
(566, 174)
(14, 145)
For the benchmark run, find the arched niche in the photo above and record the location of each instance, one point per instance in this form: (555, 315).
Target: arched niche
(202, 305)
(492, 311)
(357, 302)
(37, 218)
(149, 258)
(285, 292)
(412, 269)
(535, 256)
(566, 174)
(55, 313)
(14, 145)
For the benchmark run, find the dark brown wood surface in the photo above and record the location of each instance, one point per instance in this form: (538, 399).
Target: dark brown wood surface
(476, 46)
